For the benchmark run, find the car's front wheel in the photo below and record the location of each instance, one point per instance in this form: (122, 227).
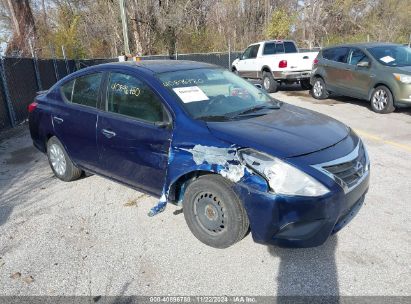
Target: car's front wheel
(318, 91)
(214, 212)
(63, 168)
(382, 101)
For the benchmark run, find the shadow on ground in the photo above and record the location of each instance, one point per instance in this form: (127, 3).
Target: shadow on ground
(307, 271)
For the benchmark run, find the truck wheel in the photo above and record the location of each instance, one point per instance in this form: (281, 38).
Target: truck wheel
(63, 168)
(213, 212)
(305, 84)
(382, 101)
(318, 90)
(234, 70)
(269, 83)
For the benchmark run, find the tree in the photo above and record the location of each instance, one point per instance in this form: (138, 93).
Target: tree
(24, 29)
(280, 25)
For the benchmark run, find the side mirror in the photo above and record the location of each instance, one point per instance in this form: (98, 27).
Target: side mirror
(363, 64)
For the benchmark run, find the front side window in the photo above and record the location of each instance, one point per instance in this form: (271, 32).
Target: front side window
(129, 96)
(251, 52)
(392, 55)
(215, 94)
(247, 52)
(357, 56)
(254, 51)
(83, 90)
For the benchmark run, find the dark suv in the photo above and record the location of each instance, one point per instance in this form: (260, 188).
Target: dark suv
(378, 72)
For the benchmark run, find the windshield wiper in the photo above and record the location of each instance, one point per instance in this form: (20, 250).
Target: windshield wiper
(256, 109)
(214, 117)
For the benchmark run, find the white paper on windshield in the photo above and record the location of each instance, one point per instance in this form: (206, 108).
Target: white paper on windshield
(190, 94)
(387, 59)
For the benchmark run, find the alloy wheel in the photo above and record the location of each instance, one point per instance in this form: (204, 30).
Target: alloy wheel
(380, 99)
(266, 83)
(57, 159)
(318, 88)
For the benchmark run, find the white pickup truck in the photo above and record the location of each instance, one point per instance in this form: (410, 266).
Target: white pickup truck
(273, 62)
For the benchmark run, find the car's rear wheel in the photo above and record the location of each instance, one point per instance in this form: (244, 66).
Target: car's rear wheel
(269, 83)
(382, 101)
(63, 168)
(305, 84)
(214, 212)
(318, 90)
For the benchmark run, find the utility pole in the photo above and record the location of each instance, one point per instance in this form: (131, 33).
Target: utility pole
(125, 29)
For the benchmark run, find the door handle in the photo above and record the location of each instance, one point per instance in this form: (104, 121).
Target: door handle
(108, 133)
(58, 119)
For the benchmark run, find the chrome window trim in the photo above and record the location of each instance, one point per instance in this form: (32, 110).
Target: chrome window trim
(349, 157)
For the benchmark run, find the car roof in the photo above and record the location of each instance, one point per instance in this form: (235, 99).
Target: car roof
(362, 45)
(161, 66)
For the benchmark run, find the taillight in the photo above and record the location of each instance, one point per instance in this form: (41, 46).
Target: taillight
(282, 64)
(315, 61)
(31, 107)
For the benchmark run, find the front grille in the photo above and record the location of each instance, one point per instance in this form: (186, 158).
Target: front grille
(351, 171)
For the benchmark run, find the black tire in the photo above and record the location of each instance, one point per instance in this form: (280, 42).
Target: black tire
(213, 212)
(269, 83)
(319, 91)
(66, 173)
(234, 70)
(382, 100)
(305, 84)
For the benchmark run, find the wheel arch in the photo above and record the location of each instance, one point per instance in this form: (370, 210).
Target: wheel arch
(265, 68)
(377, 84)
(179, 185)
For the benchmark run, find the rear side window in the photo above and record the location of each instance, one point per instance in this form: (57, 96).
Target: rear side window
(129, 96)
(339, 54)
(83, 90)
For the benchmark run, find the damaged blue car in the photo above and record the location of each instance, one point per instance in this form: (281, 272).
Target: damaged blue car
(196, 135)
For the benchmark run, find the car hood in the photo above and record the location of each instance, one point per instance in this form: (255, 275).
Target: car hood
(406, 69)
(287, 132)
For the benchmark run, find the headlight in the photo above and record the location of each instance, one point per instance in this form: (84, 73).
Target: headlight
(282, 177)
(403, 78)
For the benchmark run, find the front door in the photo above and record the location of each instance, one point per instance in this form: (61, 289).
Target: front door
(134, 134)
(75, 118)
(246, 65)
(360, 78)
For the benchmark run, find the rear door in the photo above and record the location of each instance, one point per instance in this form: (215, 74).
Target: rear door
(75, 117)
(134, 133)
(336, 68)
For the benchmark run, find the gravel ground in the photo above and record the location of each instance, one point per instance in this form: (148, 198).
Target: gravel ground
(93, 237)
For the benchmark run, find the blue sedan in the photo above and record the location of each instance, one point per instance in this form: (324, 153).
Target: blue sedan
(196, 135)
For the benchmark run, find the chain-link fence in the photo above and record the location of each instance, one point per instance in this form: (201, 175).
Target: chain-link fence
(21, 78)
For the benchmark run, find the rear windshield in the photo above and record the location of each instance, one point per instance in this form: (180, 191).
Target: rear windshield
(271, 48)
(392, 55)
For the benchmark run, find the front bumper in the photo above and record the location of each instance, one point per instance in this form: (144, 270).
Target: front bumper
(402, 95)
(294, 221)
(291, 75)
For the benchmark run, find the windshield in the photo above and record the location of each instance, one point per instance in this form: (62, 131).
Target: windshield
(392, 55)
(216, 94)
